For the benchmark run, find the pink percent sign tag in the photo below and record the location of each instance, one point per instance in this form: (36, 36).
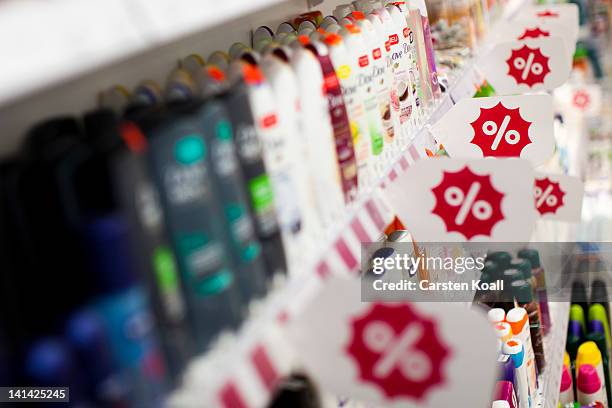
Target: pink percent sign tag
(558, 197)
(527, 66)
(396, 354)
(456, 200)
(506, 126)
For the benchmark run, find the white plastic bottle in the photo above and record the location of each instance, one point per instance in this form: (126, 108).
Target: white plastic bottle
(393, 133)
(401, 95)
(318, 137)
(429, 50)
(278, 153)
(346, 71)
(339, 118)
(373, 30)
(368, 76)
(409, 54)
(415, 24)
(284, 84)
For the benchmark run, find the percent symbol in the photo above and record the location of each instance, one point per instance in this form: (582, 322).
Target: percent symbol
(545, 196)
(528, 66)
(511, 136)
(467, 203)
(397, 352)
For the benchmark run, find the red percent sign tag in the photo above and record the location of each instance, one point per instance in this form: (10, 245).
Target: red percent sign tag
(501, 132)
(548, 195)
(528, 66)
(581, 99)
(468, 203)
(533, 33)
(398, 350)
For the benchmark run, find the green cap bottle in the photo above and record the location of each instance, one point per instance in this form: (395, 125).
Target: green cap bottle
(532, 255)
(522, 265)
(577, 314)
(501, 258)
(492, 270)
(521, 290)
(598, 312)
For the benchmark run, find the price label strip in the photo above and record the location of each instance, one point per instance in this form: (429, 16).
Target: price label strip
(508, 126)
(454, 200)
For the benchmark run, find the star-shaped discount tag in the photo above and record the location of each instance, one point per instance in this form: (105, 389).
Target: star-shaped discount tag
(558, 197)
(468, 203)
(528, 65)
(506, 126)
(398, 350)
(548, 195)
(453, 200)
(501, 132)
(394, 355)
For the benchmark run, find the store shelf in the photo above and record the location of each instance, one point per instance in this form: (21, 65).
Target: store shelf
(49, 42)
(554, 346)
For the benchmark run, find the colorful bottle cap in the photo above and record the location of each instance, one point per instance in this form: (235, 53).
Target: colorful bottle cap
(490, 272)
(490, 264)
(332, 39)
(566, 379)
(503, 330)
(574, 329)
(517, 318)
(600, 340)
(532, 255)
(521, 290)
(577, 314)
(522, 265)
(496, 315)
(501, 258)
(510, 275)
(598, 312)
(597, 326)
(514, 348)
(588, 353)
(566, 360)
(587, 381)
